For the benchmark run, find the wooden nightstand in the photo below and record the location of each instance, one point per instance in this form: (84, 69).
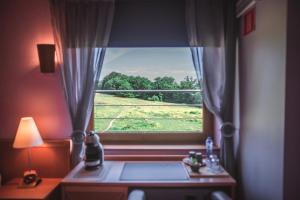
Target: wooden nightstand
(48, 189)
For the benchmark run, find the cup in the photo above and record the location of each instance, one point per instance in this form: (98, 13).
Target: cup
(199, 157)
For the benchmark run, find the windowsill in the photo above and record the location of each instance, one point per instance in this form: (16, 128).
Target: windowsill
(152, 147)
(154, 139)
(151, 152)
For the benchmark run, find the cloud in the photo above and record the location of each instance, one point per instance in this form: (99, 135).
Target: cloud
(114, 53)
(149, 62)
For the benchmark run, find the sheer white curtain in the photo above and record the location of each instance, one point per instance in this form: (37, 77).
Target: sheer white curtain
(211, 35)
(81, 29)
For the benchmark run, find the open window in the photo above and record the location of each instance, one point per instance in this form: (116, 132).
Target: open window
(150, 96)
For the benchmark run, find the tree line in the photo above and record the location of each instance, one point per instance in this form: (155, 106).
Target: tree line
(119, 81)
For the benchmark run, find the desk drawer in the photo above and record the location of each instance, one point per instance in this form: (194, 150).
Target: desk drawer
(94, 193)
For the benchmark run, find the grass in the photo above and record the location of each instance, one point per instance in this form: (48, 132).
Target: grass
(183, 117)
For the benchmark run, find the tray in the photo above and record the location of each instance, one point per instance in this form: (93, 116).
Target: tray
(205, 172)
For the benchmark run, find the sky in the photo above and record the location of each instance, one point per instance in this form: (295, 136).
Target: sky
(149, 62)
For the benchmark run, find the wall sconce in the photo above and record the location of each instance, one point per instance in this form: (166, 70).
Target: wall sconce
(46, 57)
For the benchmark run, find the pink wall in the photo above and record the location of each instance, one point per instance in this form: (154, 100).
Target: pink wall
(24, 90)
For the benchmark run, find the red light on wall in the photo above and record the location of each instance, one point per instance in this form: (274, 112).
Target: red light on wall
(249, 21)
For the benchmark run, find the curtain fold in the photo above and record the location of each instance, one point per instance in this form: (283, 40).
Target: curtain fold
(211, 34)
(81, 30)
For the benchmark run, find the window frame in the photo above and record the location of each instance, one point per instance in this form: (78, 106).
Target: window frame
(157, 138)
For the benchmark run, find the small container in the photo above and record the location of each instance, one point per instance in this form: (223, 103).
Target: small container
(209, 145)
(212, 156)
(192, 154)
(215, 166)
(210, 160)
(199, 157)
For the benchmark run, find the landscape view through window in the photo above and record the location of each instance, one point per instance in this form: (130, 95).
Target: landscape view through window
(148, 90)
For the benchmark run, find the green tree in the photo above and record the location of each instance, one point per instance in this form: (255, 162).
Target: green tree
(189, 97)
(189, 83)
(141, 83)
(118, 83)
(166, 83)
(111, 76)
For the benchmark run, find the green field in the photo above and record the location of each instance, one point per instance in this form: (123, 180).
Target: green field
(159, 117)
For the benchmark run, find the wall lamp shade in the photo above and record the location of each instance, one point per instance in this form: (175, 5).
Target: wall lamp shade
(46, 54)
(27, 134)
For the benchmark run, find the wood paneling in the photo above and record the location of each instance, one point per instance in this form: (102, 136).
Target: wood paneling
(151, 152)
(94, 193)
(48, 189)
(144, 150)
(52, 160)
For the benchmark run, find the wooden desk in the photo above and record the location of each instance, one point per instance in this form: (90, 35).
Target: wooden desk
(106, 183)
(47, 189)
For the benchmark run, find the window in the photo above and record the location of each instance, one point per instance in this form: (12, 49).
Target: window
(149, 95)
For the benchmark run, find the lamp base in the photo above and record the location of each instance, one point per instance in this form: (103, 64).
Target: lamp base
(30, 179)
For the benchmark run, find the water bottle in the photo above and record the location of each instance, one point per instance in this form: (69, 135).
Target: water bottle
(209, 145)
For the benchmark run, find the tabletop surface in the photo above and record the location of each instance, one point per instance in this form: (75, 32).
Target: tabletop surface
(11, 191)
(111, 172)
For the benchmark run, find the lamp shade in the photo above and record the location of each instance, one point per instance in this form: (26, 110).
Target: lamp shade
(27, 134)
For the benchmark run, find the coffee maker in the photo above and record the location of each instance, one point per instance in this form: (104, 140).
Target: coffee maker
(94, 153)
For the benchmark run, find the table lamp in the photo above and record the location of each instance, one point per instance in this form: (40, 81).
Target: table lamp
(28, 136)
